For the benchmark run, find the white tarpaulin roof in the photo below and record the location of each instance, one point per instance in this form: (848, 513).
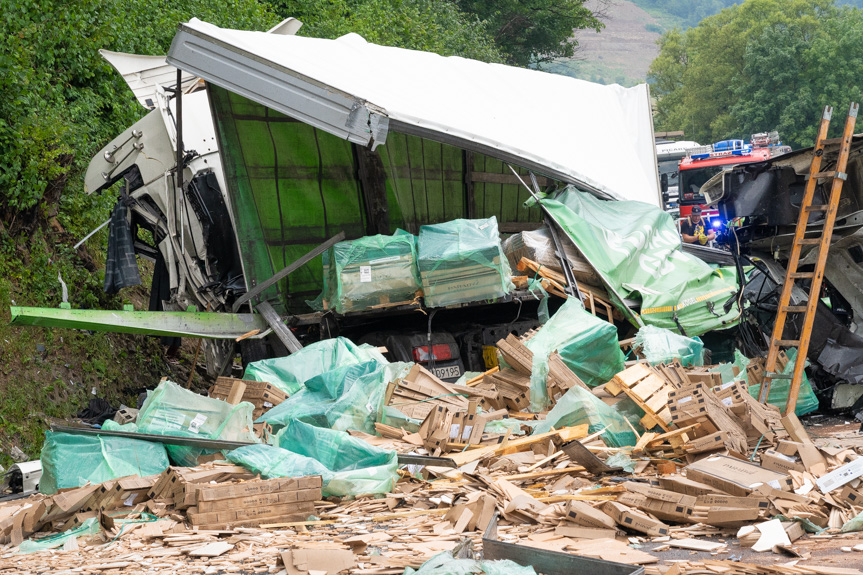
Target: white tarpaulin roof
(599, 137)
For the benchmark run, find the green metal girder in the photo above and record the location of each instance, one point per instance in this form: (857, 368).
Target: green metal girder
(163, 323)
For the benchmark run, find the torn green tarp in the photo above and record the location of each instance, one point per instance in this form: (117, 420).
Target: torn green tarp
(172, 410)
(350, 397)
(358, 273)
(636, 250)
(578, 406)
(462, 261)
(75, 460)
(807, 402)
(90, 526)
(289, 373)
(358, 467)
(660, 345)
(586, 344)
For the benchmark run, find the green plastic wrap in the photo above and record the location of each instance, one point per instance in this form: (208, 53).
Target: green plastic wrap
(359, 468)
(350, 397)
(75, 460)
(853, 525)
(577, 407)
(807, 402)
(741, 362)
(636, 250)
(445, 564)
(663, 346)
(111, 425)
(725, 371)
(172, 410)
(89, 526)
(369, 271)
(462, 261)
(586, 344)
(289, 373)
(270, 461)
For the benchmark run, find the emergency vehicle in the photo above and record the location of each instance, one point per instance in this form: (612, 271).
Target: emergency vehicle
(704, 162)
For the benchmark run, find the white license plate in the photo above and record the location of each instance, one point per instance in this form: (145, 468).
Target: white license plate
(447, 372)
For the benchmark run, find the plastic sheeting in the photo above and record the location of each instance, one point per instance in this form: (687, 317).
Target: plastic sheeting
(445, 564)
(577, 407)
(90, 526)
(637, 251)
(289, 373)
(462, 261)
(75, 460)
(350, 397)
(172, 410)
(358, 467)
(586, 344)
(806, 400)
(663, 346)
(358, 273)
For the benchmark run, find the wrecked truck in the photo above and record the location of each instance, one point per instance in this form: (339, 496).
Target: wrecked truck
(760, 203)
(287, 144)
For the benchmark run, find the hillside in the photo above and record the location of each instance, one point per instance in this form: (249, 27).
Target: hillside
(620, 53)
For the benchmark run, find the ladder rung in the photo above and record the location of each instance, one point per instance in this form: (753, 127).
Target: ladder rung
(817, 208)
(794, 308)
(787, 342)
(809, 241)
(820, 175)
(801, 275)
(829, 141)
(771, 375)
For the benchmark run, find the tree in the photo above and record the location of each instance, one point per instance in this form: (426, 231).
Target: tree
(760, 65)
(61, 102)
(430, 25)
(534, 31)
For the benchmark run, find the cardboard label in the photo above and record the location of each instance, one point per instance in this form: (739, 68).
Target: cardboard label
(365, 274)
(195, 425)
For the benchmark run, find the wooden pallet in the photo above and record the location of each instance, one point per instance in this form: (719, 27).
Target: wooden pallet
(648, 390)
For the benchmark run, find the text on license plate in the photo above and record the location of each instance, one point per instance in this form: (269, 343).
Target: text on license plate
(447, 372)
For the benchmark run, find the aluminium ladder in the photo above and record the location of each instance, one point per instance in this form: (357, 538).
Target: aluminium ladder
(822, 244)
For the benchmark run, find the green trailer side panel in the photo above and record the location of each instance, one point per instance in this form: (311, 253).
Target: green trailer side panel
(292, 187)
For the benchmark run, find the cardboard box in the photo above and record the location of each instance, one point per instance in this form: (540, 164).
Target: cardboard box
(630, 518)
(772, 459)
(665, 510)
(582, 513)
(735, 476)
(729, 501)
(687, 486)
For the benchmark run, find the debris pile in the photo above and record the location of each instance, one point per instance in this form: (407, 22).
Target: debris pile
(655, 459)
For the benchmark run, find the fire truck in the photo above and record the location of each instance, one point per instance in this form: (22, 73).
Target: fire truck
(703, 163)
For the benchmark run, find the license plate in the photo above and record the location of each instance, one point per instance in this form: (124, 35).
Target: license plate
(447, 372)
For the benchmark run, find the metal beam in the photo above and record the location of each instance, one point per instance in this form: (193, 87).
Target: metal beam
(287, 270)
(163, 323)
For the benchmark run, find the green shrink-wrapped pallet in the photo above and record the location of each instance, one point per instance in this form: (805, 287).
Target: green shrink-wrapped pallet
(462, 261)
(370, 271)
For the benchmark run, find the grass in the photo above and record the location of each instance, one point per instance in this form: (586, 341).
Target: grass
(49, 375)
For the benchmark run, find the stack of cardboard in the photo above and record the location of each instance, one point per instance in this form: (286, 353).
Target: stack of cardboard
(251, 503)
(262, 395)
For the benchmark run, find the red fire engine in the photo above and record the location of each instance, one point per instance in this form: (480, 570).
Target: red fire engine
(704, 162)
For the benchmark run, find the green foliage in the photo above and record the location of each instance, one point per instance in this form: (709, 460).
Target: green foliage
(685, 13)
(533, 31)
(762, 65)
(429, 25)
